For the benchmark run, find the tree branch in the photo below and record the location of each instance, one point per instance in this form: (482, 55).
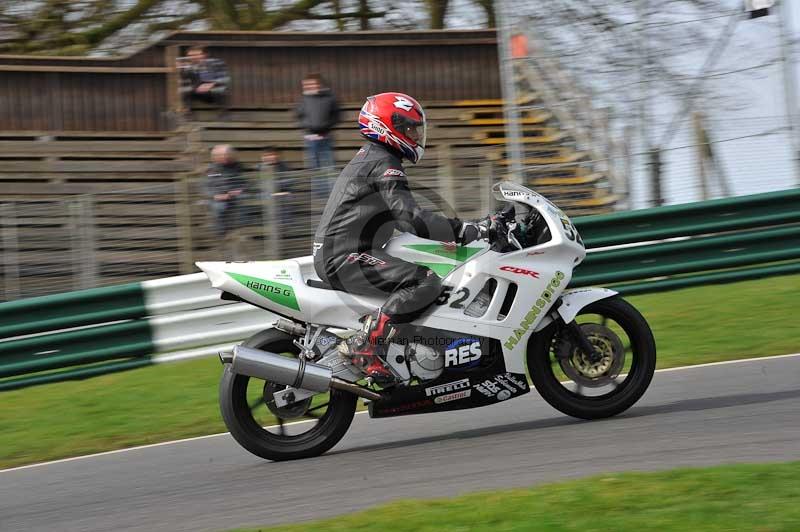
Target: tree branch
(255, 12)
(363, 8)
(488, 8)
(437, 10)
(337, 10)
(97, 35)
(346, 15)
(297, 11)
(221, 14)
(175, 24)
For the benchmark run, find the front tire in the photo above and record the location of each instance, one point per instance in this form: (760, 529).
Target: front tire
(564, 379)
(238, 411)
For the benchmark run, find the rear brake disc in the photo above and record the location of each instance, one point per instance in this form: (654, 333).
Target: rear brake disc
(290, 411)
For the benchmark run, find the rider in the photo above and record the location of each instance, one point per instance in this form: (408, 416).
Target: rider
(370, 199)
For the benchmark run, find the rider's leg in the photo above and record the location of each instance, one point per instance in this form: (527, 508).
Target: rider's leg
(404, 305)
(409, 301)
(410, 289)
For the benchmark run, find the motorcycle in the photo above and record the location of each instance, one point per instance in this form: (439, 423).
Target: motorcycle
(505, 306)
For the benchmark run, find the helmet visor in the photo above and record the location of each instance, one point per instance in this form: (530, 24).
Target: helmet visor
(414, 130)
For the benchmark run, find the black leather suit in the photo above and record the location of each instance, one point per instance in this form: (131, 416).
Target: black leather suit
(370, 199)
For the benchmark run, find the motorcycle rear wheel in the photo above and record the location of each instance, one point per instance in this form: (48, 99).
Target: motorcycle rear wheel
(566, 380)
(238, 411)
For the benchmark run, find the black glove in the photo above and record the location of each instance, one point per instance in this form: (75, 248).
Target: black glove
(472, 231)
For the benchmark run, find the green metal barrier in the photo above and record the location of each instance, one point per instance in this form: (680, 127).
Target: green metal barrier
(744, 274)
(71, 309)
(709, 242)
(83, 346)
(668, 248)
(714, 216)
(700, 254)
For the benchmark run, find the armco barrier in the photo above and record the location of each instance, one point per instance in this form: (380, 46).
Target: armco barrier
(118, 328)
(696, 243)
(133, 325)
(705, 217)
(103, 305)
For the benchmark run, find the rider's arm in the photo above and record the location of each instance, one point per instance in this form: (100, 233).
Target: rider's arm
(392, 185)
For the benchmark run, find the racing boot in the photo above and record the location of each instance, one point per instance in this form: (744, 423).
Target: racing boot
(365, 347)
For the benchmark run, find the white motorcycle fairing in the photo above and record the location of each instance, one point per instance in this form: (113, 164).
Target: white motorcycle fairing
(572, 301)
(526, 283)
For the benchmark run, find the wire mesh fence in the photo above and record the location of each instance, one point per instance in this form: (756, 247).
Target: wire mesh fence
(89, 240)
(697, 99)
(278, 215)
(133, 234)
(155, 231)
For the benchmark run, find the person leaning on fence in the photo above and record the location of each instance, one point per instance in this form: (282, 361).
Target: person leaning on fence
(281, 191)
(203, 79)
(272, 161)
(225, 187)
(317, 113)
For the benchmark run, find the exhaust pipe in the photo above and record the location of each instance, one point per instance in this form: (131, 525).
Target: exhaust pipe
(297, 373)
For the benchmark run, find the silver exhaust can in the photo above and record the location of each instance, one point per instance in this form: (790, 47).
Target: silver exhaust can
(281, 370)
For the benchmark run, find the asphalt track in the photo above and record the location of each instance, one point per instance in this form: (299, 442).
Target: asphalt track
(740, 412)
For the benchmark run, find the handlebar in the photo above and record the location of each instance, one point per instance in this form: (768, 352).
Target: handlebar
(506, 234)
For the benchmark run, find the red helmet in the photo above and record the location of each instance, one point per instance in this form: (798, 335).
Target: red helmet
(397, 120)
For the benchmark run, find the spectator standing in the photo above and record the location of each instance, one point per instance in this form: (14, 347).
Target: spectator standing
(224, 187)
(204, 79)
(318, 113)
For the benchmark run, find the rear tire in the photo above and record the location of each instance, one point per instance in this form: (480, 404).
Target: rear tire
(541, 362)
(238, 416)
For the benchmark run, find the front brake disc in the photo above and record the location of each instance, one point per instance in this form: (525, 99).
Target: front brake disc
(577, 366)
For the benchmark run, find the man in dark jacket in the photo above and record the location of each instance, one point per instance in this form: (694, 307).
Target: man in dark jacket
(203, 78)
(370, 199)
(224, 187)
(318, 113)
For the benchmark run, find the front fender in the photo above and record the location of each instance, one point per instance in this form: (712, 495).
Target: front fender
(572, 301)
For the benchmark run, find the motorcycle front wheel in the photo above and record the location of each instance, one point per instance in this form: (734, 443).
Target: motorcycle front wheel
(592, 389)
(304, 429)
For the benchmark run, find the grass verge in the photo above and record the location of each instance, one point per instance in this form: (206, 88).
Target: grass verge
(179, 400)
(741, 497)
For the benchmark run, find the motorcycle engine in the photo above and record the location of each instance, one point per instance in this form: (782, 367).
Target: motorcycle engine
(425, 362)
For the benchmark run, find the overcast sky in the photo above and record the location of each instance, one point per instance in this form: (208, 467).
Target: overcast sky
(750, 135)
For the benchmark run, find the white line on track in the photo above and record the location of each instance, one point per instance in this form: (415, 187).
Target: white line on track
(138, 447)
(725, 362)
(184, 440)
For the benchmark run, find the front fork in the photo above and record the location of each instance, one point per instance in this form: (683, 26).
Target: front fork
(582, 341)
